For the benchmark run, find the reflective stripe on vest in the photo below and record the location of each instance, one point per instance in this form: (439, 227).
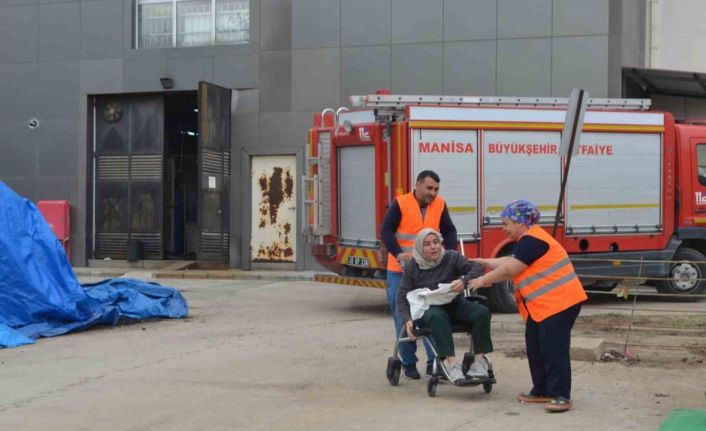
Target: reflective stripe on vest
(549, 285)
(412, 222)
(544, 274)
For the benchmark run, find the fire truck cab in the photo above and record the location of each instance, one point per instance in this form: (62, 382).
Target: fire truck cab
(635, 198)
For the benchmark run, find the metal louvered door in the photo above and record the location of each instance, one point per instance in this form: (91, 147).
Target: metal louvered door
(129, 147)
(214, 172)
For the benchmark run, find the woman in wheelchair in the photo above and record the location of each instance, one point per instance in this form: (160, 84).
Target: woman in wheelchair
(433, 265)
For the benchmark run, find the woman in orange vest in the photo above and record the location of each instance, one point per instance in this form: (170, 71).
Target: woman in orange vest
(549, 297)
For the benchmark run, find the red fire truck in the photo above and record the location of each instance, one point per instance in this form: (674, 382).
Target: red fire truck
(635, 200)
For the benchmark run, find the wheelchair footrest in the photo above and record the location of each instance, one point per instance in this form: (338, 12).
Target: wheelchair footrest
(474, 382)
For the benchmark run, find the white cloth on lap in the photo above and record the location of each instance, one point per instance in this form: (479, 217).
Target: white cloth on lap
(421, 299)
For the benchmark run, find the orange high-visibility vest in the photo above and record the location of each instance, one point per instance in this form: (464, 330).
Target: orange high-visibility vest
(411, 223)
(549, 285)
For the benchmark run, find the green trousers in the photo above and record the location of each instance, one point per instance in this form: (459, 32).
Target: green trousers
(472, 315)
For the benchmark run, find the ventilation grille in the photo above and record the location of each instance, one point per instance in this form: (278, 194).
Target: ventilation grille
(151, 244)
(113, 167)
(215, 243)
(146, 167)
(215, 162)
(113, 245)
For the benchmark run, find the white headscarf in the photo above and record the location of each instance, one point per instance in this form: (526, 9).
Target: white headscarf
(418, 251)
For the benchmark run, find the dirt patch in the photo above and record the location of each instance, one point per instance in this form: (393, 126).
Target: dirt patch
(660, 340)
(693, 324)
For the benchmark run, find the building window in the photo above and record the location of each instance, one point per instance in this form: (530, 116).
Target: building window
(169, 23)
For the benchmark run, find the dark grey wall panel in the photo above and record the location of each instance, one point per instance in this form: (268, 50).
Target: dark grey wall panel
(245, 132)
(23, 186)
(580, 62)
(55, 141)
(17, 82)
(236, 72)
(470, 19)
(57, 188)
(57, 89)
(524, 18)
(189, 52)
(275, 81)
(187, 72)
(101, 29)
(315, 79)
(365, 22)
(17, 2)
(101, 76)
(246, 101)
(580, 17)
(59, 31)
(469, 68)
(275, 24)
(417, 68)
(292, 129)
(524, 67)
(417, 21)
(18, 34)
(363, 70)
(143, 75)
(16, 142)
(316, 23)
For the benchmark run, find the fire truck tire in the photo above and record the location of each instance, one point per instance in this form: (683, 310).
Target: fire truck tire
(501, 298)
(686, 275)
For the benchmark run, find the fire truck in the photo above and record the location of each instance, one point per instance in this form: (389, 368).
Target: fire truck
(634, 203)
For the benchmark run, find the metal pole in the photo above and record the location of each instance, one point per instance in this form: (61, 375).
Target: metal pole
(574, 127)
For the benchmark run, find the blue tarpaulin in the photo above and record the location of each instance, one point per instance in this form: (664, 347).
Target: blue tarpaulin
(40, 295)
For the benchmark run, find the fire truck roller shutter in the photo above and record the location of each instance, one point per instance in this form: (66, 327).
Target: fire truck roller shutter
(520, 165)
(356, 194)
(615, 184)
(453, 154)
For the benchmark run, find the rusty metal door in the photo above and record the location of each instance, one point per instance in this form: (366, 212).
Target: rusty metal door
(274, 211)
(214, 172)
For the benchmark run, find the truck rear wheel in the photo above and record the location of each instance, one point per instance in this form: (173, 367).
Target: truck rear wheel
(685, 274)
(501, 297)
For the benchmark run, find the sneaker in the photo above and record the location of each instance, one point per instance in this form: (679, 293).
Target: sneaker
(478, 370)
(410, 371)
(455, 372)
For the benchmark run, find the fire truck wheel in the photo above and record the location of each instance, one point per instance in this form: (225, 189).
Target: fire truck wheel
(685, 274)
(501, 298)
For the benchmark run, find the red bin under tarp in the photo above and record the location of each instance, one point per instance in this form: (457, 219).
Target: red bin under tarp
(56, 213)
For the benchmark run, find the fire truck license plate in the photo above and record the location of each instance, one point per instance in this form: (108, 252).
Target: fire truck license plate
(358, 261)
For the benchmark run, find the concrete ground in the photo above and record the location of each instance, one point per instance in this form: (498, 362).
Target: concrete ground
(297, 355)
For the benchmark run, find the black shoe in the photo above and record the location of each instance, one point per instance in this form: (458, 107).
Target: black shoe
(410, 371)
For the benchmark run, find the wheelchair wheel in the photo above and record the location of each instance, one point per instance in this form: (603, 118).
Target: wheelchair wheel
(431, 386)
(394, 366)
(468, 358)
(487, 387)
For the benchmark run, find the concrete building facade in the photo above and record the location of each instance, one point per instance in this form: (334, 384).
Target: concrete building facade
(65, 63)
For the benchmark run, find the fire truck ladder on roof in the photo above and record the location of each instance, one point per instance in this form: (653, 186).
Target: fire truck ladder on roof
(395, 102)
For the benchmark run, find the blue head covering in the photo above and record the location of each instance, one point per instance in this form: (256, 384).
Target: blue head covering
(521, 211)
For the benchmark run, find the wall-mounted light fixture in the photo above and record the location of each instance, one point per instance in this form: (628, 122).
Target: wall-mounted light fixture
(167, 83)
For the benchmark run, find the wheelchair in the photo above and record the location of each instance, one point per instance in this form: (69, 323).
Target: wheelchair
(394, 362)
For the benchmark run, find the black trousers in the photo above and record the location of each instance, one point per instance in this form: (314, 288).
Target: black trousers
(548, 346)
